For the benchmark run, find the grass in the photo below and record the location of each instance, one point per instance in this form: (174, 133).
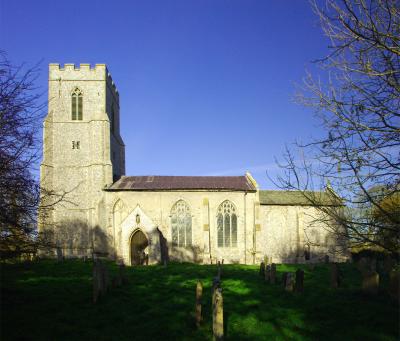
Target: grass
(47, 300)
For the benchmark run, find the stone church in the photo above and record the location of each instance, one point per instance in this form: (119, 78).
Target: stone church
(149, 219)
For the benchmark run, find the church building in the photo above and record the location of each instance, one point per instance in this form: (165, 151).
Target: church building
(150, 218)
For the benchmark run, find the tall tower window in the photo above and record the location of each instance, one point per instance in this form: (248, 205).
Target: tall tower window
(76, 107)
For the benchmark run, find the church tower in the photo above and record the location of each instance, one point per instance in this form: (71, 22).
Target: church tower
(83, 151)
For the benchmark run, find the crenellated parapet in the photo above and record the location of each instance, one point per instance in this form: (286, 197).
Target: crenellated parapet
(81, 72)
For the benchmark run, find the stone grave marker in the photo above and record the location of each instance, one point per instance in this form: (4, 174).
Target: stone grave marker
(268, 273)
(299, 280)
(272, 278)
(218, 315)
(97, 281)
(199, 295)
(289, 285)
(370, 282)
(284, 278)
(60, 257)
(335, 276)
(262, 269)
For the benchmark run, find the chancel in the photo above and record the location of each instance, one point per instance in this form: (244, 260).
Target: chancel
(148, 219)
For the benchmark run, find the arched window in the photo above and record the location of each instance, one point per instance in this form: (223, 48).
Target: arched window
(227, 225)
(76, 105)
(181, 224)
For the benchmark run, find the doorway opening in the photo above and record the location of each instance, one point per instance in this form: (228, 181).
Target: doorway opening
(139, 253)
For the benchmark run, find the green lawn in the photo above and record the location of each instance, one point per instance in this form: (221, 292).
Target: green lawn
(53, 301)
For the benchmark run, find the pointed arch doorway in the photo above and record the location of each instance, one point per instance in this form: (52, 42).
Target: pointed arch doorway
(139, 244)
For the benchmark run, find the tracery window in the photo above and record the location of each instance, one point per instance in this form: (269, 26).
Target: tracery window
(76, 105)
(227, 225)
(181, 224)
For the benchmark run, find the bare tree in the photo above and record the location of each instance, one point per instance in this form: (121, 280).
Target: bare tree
(21, 113)
(358, 105)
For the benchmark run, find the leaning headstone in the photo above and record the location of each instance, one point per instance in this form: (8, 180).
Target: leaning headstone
(284, 278)
(199, 294)
(370, 282)
(299, 280)
(218, 315)
(272, 277)
(326, 259)
(394, 285)
(262, 269)
(268, 273)
(60, 257)
(335, 276)
(289, 285)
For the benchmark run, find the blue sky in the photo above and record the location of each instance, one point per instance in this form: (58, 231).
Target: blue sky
(206, 86)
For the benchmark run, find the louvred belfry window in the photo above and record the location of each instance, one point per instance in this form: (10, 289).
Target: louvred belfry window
(227, 225)
(77, 106)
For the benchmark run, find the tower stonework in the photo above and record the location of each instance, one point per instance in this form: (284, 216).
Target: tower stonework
(83, 151)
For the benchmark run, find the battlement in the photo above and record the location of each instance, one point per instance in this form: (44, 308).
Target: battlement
(84, 71)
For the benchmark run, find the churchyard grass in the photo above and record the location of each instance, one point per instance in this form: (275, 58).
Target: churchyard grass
(46, 300)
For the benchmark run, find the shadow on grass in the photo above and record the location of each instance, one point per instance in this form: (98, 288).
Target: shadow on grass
(50, 300)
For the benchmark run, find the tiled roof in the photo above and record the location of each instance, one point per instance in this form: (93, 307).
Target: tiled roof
(307, 198)
(165, 183)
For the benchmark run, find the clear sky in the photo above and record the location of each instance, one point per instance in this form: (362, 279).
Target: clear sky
(206, 86)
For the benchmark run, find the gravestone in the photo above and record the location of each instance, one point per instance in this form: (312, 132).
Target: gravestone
(59, 254)
(199, 294)
(299, 280)
(268, 273)
(262, 269)
(98, 280)
(394, 285)
(284, 278)
(289, 285)
(370, 282)
(335, 276)
(326, 259)
(272, 277)
(218, 315)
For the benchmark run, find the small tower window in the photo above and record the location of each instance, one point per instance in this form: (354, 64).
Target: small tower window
(76, 107)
